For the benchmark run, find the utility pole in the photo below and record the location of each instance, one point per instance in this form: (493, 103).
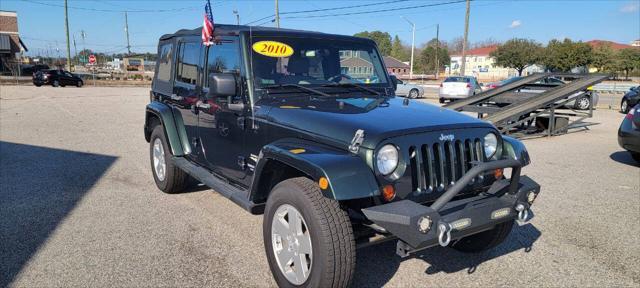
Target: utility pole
(277, 15)
(75, 48)
(235, 11)
(413, 45)
(126, 30)
(84, 48)
(466, 35)
(437, 50)
(66, 26)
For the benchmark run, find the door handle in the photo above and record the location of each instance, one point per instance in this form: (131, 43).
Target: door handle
(175, 97)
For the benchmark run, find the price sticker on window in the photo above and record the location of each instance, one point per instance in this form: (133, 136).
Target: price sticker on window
(272, 49)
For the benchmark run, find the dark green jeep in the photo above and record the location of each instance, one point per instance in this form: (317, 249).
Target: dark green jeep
(305, 128)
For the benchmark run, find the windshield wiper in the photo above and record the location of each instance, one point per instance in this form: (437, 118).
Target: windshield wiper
(374, 92)
(299, 87)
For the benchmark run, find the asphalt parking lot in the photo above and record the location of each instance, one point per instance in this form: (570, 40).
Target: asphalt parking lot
(78, 207)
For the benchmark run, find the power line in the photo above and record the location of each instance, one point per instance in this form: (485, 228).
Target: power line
(325, 9)
(118, 10)
(378, 11)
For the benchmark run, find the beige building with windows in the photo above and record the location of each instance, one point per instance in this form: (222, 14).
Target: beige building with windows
(481, 65)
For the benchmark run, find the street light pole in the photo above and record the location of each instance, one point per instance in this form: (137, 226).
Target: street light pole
(237, 16)
(413, 45)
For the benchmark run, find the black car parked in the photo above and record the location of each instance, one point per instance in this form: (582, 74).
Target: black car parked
(56, 78)
(630, 99)
(629, 132)
(305, 128)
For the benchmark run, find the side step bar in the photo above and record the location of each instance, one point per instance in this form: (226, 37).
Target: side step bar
(237, 195)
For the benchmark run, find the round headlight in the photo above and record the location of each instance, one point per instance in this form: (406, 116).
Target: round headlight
(490, 145)
(387, 159)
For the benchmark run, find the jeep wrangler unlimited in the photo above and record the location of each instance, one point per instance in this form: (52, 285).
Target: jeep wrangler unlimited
(305, 128)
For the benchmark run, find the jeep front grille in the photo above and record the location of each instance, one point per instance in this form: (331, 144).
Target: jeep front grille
(435, 167)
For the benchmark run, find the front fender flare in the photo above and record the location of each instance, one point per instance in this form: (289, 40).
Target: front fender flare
(348, 175)
(515, 149)
(173, 127)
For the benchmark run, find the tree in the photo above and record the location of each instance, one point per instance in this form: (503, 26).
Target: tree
(566, 55)
(426, 60)
(518, 54)
(485, 43)
(455, 46)
(628, 59)
(604, 58)
(399, 51)
(382, 39)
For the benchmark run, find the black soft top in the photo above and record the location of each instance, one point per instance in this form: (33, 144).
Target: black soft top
(226, 29)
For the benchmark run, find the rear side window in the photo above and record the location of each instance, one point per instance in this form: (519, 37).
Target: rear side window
(457, 79)
(164, 62)
(187, 64)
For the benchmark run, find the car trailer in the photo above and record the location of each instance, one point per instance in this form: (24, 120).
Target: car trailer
(527, 108)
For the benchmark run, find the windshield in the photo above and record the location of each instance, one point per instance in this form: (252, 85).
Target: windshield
(315, 62)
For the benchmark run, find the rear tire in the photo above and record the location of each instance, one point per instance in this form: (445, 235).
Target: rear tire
(484, 240)
(79, 84)
(55, 83)
(330, 260)
(169, 178)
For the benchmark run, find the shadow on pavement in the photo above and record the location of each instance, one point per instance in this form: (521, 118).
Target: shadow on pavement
(39, 187)
(624, 157)
(376, 265)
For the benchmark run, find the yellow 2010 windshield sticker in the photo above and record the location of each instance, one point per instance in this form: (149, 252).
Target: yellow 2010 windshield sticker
(272, 49)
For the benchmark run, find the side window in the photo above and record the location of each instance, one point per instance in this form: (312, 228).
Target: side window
(164, 62)
(187, 64)
(223, 58)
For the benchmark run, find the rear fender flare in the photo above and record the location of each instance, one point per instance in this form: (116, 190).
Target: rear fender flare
(348, 175)
(173, 127)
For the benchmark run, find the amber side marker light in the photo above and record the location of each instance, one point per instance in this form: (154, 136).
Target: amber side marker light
(323, 183)
(498, 173)
(388, 192)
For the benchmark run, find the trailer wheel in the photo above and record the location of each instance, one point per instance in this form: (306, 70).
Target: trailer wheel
(308, 238)
(484, 240)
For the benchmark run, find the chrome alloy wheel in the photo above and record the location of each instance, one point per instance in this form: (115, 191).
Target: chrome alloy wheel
(583, 103)
(291, 243)
(159, 164)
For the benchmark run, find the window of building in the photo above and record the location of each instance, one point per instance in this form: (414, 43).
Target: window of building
(187, 64)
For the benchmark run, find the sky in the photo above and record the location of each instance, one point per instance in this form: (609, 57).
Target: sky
(41, 22)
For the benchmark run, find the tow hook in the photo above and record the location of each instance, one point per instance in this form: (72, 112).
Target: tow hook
(444, 234)
(523, 214)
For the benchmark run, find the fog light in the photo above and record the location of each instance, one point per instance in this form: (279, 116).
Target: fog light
(500, 213)
(388, 192)
(531, 197)
(461, 224)
(424, 224)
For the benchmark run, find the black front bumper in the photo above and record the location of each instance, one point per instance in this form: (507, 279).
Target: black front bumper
(462, 217)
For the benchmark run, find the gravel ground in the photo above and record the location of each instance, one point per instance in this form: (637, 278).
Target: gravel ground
(78, 207)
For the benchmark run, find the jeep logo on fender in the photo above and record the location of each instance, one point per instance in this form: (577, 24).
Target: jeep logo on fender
(448, 137)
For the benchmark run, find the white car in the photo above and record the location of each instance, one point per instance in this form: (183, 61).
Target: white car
(409, 90)
(458, 87)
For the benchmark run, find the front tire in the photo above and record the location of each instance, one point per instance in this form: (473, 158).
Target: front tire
(79, 84)
(484, 240)
(169, 178)
(317, 249)
(583, 103)
(624, 106)
(413, 93)
(55, 83)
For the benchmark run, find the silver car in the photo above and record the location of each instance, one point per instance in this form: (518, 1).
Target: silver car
(458, 87)
(409, 90)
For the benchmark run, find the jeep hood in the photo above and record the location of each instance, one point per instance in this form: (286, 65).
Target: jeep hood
(339, 119)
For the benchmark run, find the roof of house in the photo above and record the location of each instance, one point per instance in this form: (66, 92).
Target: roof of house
(613, 45)
(482, 51)
(355, 62)
(391, 62)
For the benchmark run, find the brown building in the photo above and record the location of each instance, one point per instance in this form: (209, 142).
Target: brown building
(11, 46)
(395, 66)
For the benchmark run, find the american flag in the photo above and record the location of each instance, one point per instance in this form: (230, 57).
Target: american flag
(207, 25)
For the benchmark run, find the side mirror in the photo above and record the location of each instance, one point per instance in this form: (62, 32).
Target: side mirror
(394, 81)
(222, 85)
